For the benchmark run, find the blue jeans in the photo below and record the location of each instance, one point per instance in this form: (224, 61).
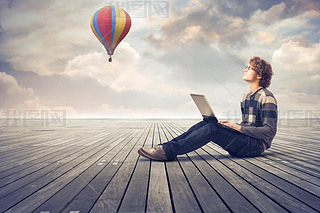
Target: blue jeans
(236, 143)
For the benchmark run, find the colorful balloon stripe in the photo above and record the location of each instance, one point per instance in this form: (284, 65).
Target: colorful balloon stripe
(114, 18)
(95, 28)
(125, 29)
(104, 21)
(120, 24)
(110, 25)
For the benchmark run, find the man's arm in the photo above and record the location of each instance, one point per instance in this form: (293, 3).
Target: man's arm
(269, 120)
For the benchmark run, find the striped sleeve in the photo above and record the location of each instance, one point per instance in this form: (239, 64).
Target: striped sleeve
(242, 107)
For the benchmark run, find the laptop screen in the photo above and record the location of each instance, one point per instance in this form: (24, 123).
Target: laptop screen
(203, 105)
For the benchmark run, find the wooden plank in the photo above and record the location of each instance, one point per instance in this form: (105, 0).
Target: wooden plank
(26, 141)
(279, 196)
(40, 148)
(291, 164)
(85, 199)
(13, 151)
(40, 164)
(229, 194)
(246, 189)
(23, 151)
(311, 164)
(68, 142)
(207, 197)
(290, 170)
(307, 143)
(232, 198)
(294, 179)
(308, 134)
(310, 187)
(135, 196)
(66, 194)
(300, 150)
(290, 158)
(68, 178)
(110, 199)
(297, 192)
(32, 159)
(183, 199)
(158, 199)
(32, 195)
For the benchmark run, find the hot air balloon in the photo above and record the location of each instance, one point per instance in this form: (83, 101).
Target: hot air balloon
(110, 24)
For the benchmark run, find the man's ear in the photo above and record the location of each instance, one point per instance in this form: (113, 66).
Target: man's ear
(259, 77)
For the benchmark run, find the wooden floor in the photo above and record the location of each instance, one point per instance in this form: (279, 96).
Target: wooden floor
(93, 166)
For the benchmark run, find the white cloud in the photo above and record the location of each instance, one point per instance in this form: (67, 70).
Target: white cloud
(47, 33)
(121, 74)
(124, 73)
(264, 18)
(11, 93)
(297, 67)
(202, 47)
(294, 56)
(304, 23)
(18, 98)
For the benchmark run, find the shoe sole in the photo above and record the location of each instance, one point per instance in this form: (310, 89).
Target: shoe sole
(148, 156)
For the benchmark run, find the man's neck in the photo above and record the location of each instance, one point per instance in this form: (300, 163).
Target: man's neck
(254, 87)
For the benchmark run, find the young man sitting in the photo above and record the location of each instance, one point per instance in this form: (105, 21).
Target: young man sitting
(255, 132)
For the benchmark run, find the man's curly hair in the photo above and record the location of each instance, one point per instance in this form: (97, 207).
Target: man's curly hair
(264, 69)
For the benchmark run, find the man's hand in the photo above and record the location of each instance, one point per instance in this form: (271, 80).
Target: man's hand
(232, 125)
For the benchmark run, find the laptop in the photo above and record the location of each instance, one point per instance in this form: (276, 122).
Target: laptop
(206, 110)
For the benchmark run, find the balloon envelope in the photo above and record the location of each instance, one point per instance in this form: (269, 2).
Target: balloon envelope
(110, 24)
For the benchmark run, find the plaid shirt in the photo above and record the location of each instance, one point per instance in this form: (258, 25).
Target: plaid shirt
(259, 115)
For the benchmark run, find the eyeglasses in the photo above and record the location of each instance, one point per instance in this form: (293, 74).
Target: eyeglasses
(249, 68)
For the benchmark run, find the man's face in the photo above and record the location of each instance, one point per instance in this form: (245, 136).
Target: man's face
(249, 74)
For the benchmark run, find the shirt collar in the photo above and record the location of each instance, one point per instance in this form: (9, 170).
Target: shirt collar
(256, 92)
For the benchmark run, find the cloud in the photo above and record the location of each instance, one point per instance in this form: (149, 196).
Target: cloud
(126, 73)
(46, 33)
(56, 61)
(297, 67)
(83, 96)
(305, 24)
(26, 5)
(205, 29)
(208, 43)
(121, 74)
(11, 93)
(295, 56)
(268, 17)
(201, 24)
(17, 97)
(212, 24)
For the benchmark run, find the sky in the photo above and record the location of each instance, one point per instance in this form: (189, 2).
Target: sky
(50, 59)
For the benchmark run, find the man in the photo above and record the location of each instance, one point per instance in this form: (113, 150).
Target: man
(254, 134)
